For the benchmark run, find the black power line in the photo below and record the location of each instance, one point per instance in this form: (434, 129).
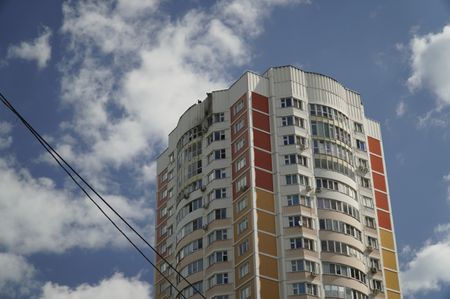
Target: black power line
(60, 160)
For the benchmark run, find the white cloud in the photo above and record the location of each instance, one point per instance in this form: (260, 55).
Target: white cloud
(5, 138)
(115, 287)
(433, 118)
(16, 275)
(38, 49)
(427, 271)
(37, 217)
(401, 109)
(430, 63)
(129, 79)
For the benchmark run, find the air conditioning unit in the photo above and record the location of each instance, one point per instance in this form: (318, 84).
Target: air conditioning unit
(205, 226)
(206, 205)
(186, 195)
(300, 222)
(313, 275)
(373, 270)
(318, 190)
(369, 248)
(362, 169)
(203, 188)
(308, 189)
(301, 147)
(376, 292)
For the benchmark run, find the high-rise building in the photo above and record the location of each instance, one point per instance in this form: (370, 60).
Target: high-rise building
(276, 188)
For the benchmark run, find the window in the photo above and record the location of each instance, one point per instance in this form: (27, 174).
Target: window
(243, 225)
(359, 128)
(291, 102)
(296, 179)
(191, 268)
(294, 139)
(218, 257)
(372, 242)
(375, 263)
(242, 204)
(302, 243)
(241, 163)
(365, 182)
(244, 293)
(370, 222)
(303, 288)
(340, 227)
(336, 205)
(219, 117)
(243, 247)
(217, 235)
(241, 184)
(238, 106)
(189, 248)
(342, 249)
(304, 266)
(335, 291)
(377, 285)
(217, 214)
(336, 186)
(216, 136)
(243, 270)
(217, 279)
(216, 174)
(297, 199)
(344, 270)
(238, 126)
(295, 159)
(221, 297)
(298, 220)
(217, 194)
(361, 145)
(239, 144)
(368, 202)
(292, 121)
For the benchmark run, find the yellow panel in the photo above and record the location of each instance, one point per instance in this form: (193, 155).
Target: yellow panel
(391, 280)
(265, 200)
(266, 222)
(387, 239)
(393, 295)
(269, 289)
(268, 266)
(267, 243)
(389, 259)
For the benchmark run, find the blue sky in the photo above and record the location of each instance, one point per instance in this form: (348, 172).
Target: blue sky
(105, 81)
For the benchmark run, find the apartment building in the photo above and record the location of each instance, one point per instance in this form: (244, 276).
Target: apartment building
(276, 188)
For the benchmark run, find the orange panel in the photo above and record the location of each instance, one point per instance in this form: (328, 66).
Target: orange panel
(268, 266)
(384, 219)
(261, 121)
(260, 102)
(261, 140)
(264, 179)
(376, 163)
(269, 289)
(381, 200)
(265, 200)
(263, 159)
(374, 145)
(266, 222)
(379, 181)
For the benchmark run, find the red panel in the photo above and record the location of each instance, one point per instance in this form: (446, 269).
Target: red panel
(379, 181)
(374, 146)
(261, 140)
(384, 220)
(261, 121)
(233, 116)
(376, 163)
(264, 179)
(260, 102)
(381, 200)
(263, 159)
